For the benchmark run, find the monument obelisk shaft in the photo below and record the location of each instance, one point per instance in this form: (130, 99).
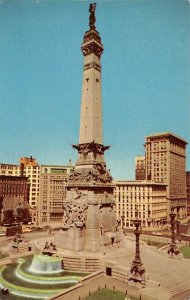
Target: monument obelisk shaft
(91, 133)
(91, 104)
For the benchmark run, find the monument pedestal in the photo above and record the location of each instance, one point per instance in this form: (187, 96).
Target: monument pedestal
(92, 242)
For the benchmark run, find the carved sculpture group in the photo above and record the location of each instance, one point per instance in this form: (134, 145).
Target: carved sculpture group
(97, 174)
(96, 149)
(49, 247)
(74, 214)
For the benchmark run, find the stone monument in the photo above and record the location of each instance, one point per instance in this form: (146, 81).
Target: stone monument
(89, 210)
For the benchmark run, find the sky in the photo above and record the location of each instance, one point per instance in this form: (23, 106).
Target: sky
(145, 77)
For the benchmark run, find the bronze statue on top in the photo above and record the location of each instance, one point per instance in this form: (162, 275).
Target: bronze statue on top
(92, 18)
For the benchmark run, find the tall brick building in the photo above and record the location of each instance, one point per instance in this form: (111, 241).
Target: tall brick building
(140, 173)
(12, 188)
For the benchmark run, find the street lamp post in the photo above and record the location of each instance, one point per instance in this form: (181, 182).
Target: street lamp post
(137, 272)
(173, 249)
(177, 230)
(122, 220)
(149, 220)
(18, 215)
(177, 225)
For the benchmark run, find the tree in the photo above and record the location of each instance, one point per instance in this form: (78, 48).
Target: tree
(26, 216)
(8, 217)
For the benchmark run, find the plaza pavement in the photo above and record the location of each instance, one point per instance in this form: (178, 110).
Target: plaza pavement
(171, 274)
(169, 278)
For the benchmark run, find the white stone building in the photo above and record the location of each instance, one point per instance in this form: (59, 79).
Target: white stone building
(146, 198)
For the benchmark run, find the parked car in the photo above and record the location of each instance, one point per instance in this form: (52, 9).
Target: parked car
(156, 233)
(37, 228)
(26, 229)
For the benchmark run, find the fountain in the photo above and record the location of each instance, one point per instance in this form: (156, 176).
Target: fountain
(36, 277)
(46, 264)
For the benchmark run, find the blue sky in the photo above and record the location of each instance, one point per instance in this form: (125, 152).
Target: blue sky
(145, 77)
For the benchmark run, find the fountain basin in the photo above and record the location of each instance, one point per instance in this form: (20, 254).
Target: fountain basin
(22, 281)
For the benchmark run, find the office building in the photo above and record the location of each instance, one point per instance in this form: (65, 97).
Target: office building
(140, 173)
(165, 158)
(52, 193)
(12, 190)
(9, 170)
(27, 167)
(188, 192)
(31, 169)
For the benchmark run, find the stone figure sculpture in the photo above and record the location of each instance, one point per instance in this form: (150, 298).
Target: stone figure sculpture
(92, 18)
